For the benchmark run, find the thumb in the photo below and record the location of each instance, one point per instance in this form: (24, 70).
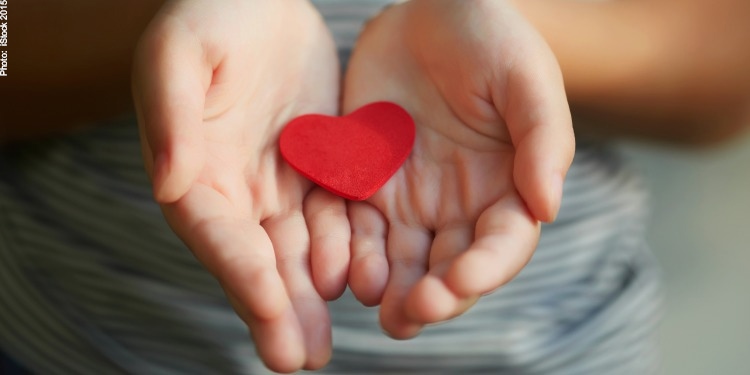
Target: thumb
(538, 117)
(170, 80)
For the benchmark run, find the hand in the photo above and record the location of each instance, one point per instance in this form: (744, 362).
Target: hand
(214, 83)
(494, 142)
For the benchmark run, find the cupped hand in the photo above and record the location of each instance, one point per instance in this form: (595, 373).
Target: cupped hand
(494, 142)
(214, 83)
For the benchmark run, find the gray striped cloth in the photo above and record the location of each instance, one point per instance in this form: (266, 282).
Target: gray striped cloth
(92, 280)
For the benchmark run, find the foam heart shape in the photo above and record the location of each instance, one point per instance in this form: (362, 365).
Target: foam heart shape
(351, 156)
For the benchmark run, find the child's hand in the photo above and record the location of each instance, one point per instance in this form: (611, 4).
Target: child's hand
(494, 142)
(214, 83)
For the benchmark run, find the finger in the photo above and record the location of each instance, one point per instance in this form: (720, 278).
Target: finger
(236, 251)
(448, 243)
(408, 257)
(505, 238)
(274, 339)
(291, 240)
(538, 118)
(330, 235)
(170, 81)
(368, 271)
(431, 300)
(240, 255)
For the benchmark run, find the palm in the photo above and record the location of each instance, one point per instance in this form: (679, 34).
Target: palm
(237, 218)
(453, 222)
(268, 236)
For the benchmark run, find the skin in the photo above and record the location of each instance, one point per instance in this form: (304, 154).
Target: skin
(213, 89)
(494, 141)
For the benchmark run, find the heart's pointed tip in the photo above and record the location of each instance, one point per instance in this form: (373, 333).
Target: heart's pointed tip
(358, 196)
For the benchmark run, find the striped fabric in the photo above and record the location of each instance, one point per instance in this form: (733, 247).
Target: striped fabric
(92, 281)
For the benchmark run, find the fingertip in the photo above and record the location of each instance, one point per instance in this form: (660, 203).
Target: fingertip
(399, 328)
(543, 196)
(480, 271)
(279, 342)
(430, 301)
(330, 288)
(316, 325)
(368, 277)
(463, 278)
(319, 358)
(539, 178)
(330, 282)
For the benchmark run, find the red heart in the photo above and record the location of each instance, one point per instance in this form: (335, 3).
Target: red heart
(350, 156)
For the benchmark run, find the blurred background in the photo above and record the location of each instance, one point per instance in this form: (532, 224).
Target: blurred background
(700, 231)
